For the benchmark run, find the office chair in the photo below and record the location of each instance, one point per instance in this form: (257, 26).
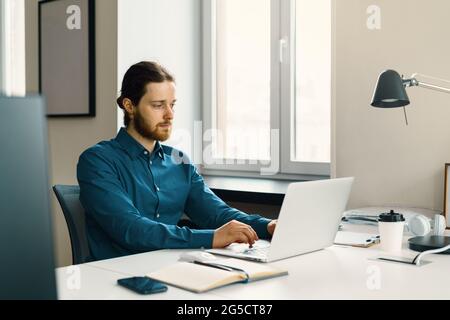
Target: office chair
(68, 197)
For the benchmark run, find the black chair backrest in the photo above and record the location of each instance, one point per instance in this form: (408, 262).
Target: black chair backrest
(68, 197)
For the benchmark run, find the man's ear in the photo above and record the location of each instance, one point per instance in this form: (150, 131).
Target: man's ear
(128, 107)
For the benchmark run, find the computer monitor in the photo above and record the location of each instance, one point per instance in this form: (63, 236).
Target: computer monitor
(26, 242)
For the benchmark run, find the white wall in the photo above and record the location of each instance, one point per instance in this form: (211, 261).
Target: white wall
(393, 163)
(168, 32)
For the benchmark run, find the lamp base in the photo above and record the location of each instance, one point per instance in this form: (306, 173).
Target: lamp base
(429, 243)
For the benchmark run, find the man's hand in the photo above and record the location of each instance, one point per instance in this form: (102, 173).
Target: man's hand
(234, 231)
(271, 226)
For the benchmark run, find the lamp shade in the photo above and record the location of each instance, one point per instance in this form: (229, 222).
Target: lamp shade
(389, 91)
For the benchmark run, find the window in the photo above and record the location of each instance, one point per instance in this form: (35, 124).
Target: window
(12, 47)
(267, 86)
(312, 81)
(243, 68)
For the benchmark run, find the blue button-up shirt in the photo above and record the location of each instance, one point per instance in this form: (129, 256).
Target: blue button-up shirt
(134, 200)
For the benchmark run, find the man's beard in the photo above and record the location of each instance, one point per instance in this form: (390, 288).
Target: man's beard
(144, 129)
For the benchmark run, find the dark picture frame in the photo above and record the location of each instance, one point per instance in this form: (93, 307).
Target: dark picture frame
(67, 57)
(447, 195)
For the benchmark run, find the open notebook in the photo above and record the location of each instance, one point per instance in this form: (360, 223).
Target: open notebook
(204, 276)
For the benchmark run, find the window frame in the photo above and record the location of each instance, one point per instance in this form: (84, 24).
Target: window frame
(287, 99)
(282, 104)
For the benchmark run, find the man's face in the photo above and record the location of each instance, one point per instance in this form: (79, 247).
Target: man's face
(152, 118)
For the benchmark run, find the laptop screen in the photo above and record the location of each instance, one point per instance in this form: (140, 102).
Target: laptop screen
(26, 246)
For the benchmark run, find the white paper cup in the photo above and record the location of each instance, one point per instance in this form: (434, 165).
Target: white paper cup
(391, 235)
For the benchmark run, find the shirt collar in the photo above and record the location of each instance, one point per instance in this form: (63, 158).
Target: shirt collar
(159, 150)
(134, 148)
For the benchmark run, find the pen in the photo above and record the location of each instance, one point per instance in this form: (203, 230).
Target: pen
(224, 267)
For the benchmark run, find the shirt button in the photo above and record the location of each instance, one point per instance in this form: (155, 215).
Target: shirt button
(145, 152)
(151, 162)
(157, 215)
(157, 188)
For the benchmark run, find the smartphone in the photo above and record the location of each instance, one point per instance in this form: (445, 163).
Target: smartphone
(142, 285)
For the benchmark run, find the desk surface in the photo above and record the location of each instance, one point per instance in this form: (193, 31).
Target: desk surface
(337, 272)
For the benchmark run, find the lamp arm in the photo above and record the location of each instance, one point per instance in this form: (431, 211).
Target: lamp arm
(433, 87)
(411, 82)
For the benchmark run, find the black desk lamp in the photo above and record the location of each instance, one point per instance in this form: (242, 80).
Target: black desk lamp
(390, 90)
(390, 93)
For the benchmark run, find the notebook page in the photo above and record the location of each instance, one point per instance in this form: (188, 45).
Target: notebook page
(195, 277)
(255, 270)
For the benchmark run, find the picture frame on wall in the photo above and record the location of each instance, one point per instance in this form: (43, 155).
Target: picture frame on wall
(447, 195)
(67, 57)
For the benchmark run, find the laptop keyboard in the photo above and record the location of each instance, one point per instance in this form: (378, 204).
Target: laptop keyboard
(260, 248)
(259, 252)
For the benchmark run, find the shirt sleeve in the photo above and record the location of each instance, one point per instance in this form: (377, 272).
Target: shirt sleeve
(106, 201)
(208, 211)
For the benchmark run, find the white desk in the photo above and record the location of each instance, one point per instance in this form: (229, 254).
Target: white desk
(334, 273)
(97, 283)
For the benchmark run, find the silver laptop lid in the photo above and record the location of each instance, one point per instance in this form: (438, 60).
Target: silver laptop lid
(310, 216)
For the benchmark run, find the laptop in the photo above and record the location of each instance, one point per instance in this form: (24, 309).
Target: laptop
(308, 221)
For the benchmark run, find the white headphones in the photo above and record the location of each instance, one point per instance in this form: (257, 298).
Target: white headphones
(420, 225)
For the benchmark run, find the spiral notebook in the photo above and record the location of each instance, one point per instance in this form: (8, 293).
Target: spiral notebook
(356, 239)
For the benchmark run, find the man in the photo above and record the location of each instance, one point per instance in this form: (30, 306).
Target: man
(135, 190)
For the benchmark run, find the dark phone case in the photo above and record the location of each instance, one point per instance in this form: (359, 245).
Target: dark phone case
(142, 285)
